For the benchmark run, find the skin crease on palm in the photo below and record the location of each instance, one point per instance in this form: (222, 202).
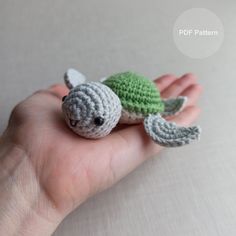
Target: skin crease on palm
(68, 168)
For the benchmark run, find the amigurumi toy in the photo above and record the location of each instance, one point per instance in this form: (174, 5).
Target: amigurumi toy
(93, 109)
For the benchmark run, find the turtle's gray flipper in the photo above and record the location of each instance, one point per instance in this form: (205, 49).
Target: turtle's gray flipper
(73, 78)
(169, 134)
(103, 79)
(174, 105)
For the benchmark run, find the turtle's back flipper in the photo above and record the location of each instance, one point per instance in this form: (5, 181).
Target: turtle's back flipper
(174, 105)
(169, 134)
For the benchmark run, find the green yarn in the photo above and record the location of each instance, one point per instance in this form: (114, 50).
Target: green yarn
(136, 93)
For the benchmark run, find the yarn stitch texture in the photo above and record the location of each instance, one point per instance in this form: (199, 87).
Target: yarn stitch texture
(87, 102)
(168, 134)
(93, 109)
(137, 93)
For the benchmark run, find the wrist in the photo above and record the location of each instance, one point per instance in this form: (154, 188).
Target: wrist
(24, 206)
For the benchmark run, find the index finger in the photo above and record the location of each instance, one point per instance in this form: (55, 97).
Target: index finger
(164, 81)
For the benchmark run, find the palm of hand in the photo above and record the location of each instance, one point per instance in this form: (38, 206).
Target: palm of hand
(68, 168)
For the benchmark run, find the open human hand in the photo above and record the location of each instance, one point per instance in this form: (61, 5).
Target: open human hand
(68, 169)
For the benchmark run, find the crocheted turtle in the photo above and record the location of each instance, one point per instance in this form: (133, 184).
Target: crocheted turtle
(93, 109)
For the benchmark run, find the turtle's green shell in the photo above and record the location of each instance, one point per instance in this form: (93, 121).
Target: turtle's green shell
(137, 93)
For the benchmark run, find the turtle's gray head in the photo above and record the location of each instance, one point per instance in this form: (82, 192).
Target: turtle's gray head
(91, 109)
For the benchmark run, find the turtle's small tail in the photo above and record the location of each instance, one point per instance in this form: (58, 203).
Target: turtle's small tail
(73, 78)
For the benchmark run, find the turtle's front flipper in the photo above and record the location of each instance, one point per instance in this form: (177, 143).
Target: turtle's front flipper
(174, 105)
(169, 134)
(73, 78)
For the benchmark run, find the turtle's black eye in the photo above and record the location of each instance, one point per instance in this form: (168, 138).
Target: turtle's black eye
(73, 123)
(63, 99)
(98, 121)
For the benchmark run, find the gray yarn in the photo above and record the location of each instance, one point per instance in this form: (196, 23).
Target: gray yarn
(73, 78)
(92, 110)
(87, 101)
(174, 105)
(168, 133)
